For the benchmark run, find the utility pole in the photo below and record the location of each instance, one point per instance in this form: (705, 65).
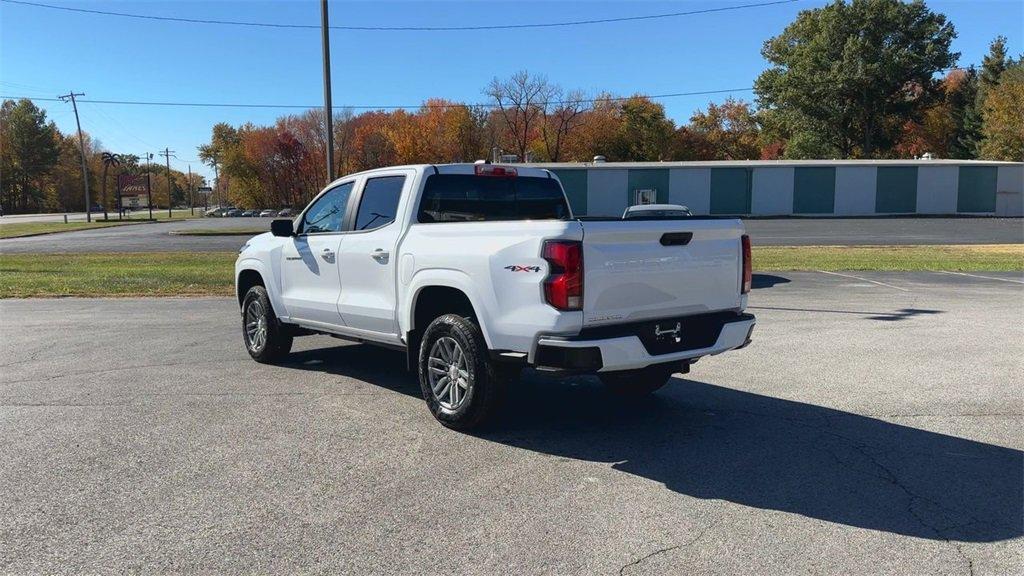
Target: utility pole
(328, 114)
(81, 145)
(191, 198)
(216, 184)
(167, 153)
(149, 187)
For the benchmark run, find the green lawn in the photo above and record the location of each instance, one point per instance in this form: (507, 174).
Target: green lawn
(17, 229)
(953, 258)
(196, 273)
(114, 274)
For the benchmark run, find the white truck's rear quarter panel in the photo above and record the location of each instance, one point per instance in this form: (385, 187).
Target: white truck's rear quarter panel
(474, 256)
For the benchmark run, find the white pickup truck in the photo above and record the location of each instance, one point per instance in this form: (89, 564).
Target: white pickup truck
(478, 270)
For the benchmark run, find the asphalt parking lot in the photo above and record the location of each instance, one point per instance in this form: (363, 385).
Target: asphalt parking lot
(166, 237)
(872, 427)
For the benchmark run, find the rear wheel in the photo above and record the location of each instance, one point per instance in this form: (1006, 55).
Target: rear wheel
(266, 339)
(636, 383)
(461, 385)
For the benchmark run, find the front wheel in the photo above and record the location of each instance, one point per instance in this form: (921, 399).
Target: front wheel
(636, 383)
(265, 338)
(461, 385)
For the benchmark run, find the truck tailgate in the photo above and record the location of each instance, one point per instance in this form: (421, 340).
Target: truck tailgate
(646, 269)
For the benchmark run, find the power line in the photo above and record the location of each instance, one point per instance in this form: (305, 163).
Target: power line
(403, 28)
(387, 107)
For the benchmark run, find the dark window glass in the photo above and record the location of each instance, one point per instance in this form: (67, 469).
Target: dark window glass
(327, 214)
(380, 202)
(471, 198)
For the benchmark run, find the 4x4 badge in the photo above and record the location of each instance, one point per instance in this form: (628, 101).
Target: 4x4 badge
(516, 268)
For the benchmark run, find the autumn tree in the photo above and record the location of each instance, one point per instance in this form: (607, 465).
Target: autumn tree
(28, 151)
(644, 132)
(597, 131)
(729, 131)
(1003, 117)
(560, 116)
(519, 107)
(851, 74)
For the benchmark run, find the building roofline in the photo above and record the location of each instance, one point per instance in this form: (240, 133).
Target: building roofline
(765, 164)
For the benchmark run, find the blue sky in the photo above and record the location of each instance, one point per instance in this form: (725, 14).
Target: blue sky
(44, 52)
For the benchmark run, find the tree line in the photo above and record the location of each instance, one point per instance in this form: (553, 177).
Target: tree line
(858, 79)
(41, 167)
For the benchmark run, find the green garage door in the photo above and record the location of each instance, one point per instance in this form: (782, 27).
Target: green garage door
(896, 192)
(575, 184)
(814, 190)
(730, 191)
(976, 191)
(648, 179)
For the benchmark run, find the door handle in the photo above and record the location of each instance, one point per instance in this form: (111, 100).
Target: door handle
(327, 254)
(380, 255)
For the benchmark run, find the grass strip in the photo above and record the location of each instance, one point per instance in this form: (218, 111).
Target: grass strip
(221, 232)
(117, 274)
(951, 258)
(212, 273)
(19, 229)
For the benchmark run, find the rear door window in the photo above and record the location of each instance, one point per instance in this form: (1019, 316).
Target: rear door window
(472, 198)
(379, 203)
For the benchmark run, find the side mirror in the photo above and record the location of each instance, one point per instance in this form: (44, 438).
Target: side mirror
(282, 227)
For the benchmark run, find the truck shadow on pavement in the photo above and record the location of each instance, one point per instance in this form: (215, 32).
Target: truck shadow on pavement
(711, 442)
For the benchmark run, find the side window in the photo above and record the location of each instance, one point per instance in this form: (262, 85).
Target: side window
(379, 203)
(327, 214)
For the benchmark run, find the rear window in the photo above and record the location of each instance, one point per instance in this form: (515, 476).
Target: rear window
(471, 198)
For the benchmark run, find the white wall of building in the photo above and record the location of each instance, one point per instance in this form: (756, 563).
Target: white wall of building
(1010, 191)
(855, 190)
(937, 189)
(772, 192)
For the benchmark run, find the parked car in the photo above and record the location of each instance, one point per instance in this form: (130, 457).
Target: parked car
(268, 213)
(286, 213)
(477, 271)
(233, 213)
(250, 213)
(215, 212)
(656, 211)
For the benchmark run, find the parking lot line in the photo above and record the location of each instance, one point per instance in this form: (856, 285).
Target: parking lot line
(865, 280)
(980, 276)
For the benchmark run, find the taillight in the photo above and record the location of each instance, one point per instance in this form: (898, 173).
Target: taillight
(748, 274)
(496, 171)
(563, 288)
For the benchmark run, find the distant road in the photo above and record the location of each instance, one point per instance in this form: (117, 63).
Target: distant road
(80, 216)
(876, 231)
(785, 232)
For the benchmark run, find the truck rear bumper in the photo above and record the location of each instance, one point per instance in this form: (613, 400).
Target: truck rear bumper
(715, 334)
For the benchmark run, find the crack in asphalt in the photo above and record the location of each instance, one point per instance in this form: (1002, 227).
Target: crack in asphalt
(691, 542)
(891, 477)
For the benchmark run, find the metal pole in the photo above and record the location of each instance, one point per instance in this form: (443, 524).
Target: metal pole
(216, 184)
(191, 198)
(81, 145)
(328, 118)
(167, 156)
(149, 186)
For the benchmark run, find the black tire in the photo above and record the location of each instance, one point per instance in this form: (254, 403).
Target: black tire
(277, 341)
(485, 383)
(637, 383)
